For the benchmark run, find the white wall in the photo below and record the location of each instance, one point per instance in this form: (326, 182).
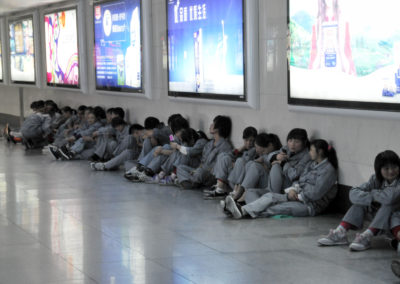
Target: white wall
(357, 138)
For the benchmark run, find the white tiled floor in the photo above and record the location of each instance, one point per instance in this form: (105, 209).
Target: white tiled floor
(62, 223)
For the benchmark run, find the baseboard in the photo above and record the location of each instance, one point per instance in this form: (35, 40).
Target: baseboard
(341, 203)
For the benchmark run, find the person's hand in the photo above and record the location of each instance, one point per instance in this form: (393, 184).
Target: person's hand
(292, 195)
(275, 163)
(71, 139)
(282, 157)
(87, 138)
(95, 134)
(173, 145)
(157, 151)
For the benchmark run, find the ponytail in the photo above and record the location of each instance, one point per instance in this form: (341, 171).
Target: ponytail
(328, 151)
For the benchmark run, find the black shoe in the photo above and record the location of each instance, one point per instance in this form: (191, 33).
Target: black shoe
(28, 144)
(214, 195)
(65, 154)
(95, 158)
(54, 152)
(149, 172)
(140, 167)
(211, 189)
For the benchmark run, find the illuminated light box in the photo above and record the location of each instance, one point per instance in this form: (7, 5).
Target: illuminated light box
(344, 54)
(22, 51)
(118, 56)
(61, 40)
(205, 49)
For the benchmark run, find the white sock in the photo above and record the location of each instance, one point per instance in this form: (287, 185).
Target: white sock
(161, 175)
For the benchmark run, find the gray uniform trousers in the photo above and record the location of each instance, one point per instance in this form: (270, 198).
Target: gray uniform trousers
(126, 155)
(384, 219)
(105, 146)
(278, 180)
(238, 172)
(223, 166)
(147, 147)
(196, 177)
(156, 163)
(363, 196)
(256, 176)
(271, 204)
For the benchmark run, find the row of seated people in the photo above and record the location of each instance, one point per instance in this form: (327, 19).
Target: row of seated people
(261, 178)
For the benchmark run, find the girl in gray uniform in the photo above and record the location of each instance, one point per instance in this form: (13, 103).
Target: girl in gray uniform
(188, 153)
(189, 177)
(256, 173)
(132, 152)
(156, 134)
(379, 198)
(288, 163)
(308, 196)
(36, 127)
(232, 165)
(82, 138)
(161, 153)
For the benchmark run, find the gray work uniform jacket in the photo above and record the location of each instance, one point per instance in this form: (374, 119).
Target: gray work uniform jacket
(317, 185)
(373, 190)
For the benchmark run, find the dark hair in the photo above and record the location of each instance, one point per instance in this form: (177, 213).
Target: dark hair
(299, 134)
(172, 117)
(119, 111)
(224, 125)
(179, 123)
(151, 123)
(134, 127)
(249, 132)
(82, 108)
(34, 105)
(117, 121)
(99, 112)
(67, 109)
(327, 151)
(202, 135)
(264, 139)
(49, 102)
(189, 136)
(110, 110)
(384, 158)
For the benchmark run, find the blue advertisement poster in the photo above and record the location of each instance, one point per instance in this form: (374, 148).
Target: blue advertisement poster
(118, 45)
(205, 46)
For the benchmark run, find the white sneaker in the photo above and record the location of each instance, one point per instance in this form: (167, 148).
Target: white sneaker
(100, 167)
(93, 165)
(334, 238)
(361, 242)
(142, 177)
(232, 207)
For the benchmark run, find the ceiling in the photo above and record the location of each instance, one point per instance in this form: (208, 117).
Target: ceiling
(9, 6)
